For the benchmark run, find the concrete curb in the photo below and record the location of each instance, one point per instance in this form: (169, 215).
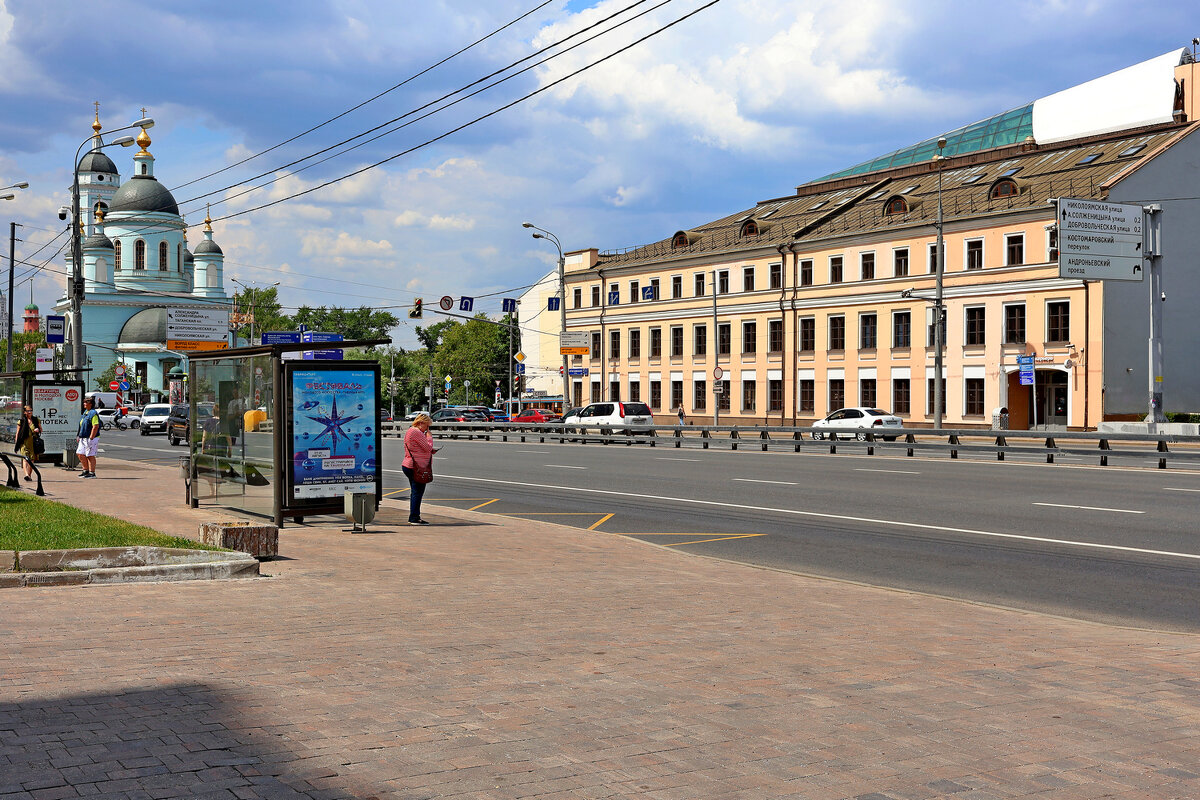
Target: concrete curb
(106, 565)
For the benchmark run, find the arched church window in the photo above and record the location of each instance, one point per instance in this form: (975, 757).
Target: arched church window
(139, 255)
(145, 169)
(162, 256)
(179, 262)
(117, 256)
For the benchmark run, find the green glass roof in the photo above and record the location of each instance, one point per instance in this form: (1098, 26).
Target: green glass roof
(1011, 127)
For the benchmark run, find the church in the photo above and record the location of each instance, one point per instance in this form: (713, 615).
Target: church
(136, 264)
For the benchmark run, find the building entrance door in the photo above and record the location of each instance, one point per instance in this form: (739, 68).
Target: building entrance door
(1051, 399)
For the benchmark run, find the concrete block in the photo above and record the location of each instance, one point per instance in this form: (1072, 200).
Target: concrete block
(56, 578)
(259, 540)
(82, 558)
(8, 561)
(12, 580)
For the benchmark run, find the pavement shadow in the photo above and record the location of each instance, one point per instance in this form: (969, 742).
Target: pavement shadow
(178, 741)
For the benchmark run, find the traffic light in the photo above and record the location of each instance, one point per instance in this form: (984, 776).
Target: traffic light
(415, 311)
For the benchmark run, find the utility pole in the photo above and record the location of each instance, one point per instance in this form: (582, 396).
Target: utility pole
(938, 311)
(392, 382)
(716, 353)
(12, 248)
(1157, 298)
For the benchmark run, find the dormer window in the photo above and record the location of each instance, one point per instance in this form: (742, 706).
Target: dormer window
(679, 240)
(897, 205)
(749, 228)
(1004, 188)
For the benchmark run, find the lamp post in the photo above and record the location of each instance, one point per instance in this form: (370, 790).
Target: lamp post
(12, 245)
(76, 251)
(562, 303)
(938, 307)
(250, 290)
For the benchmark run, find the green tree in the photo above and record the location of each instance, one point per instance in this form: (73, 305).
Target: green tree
(24, 358)
(263, 303)
(476, 350)
(431, 337)
(354, 323)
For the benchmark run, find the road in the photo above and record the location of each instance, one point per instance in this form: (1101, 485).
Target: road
(1113, 544)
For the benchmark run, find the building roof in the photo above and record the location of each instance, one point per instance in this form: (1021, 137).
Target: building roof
(147, 326)
(143, 193)
(98, 240)
(96, 161)
(208, 246)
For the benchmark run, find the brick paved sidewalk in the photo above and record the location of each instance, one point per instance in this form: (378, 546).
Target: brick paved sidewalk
(484, 657)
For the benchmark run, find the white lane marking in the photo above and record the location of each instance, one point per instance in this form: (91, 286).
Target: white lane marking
(562, 466)
(539, 452)
(1090, 508)
(1174, 489)
(892, 471)
(844, 517)
(752, 480)
(668, 458)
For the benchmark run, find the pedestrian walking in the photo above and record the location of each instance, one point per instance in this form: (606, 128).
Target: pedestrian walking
(88, 438)
(28, 435)
(418, 464)
(681, 415)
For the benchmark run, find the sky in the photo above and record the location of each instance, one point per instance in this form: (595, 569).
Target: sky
(617, 143)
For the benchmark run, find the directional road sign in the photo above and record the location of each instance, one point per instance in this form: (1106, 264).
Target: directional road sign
(123, 386)
(197, 328)
(1099, 241)
(574, 343)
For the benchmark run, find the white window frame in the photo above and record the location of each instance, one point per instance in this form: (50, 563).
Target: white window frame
(1008, 237)
(967, 256)
(870, 253)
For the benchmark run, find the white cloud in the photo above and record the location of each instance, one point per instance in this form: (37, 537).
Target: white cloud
(343, 245)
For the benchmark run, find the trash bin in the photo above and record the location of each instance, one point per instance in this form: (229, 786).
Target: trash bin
(1000, 419)
(70, 458)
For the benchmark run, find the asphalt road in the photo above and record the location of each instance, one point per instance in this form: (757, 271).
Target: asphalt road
(1111, 544)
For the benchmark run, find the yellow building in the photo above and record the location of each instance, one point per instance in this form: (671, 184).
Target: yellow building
(824, 298)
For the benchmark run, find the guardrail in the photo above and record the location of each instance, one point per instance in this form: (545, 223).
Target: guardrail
(1048, 444)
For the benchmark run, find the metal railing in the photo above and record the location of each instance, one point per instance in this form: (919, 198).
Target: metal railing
(1001, 443)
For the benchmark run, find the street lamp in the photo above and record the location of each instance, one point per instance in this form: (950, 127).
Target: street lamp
(12, 244)
(250, 291)
(562, 303)
(938, 307)
(76, 250)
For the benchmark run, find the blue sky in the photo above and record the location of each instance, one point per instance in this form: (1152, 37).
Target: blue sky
(741, 102)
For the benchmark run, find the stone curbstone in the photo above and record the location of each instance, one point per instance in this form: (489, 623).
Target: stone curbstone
(8, 561)
(260, 541)
(11, 580)
(56, 578)
(132, 565)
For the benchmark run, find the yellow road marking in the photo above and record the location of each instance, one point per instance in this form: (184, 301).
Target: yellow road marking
(481, 505)
(398, 491)
(600, 522)
(552, 514)
(717, 539)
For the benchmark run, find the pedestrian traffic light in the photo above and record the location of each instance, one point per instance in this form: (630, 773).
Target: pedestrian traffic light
(415, 311)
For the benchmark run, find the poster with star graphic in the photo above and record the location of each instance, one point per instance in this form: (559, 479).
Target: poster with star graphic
(334, 431)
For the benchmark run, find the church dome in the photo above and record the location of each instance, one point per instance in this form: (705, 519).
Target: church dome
(209, 246)
(98, 240)
(143, 193)
(31, 307)
(95, 161)
(187, 257)
(147, 326)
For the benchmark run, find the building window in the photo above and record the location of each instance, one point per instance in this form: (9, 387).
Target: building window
(163, 258)
(614, 344)
(577, 298)
(179, 260)
(900, 262)
(723, 399)
(749, 338)
(777, 276)
(676, 286)
(1014, 249)
(866, 392)
(635, 392)
(749, 388)
(1058, 321)
(679, 240)
(699, 283)
(676, 394)
(634, 291)
(902, 329)
(749, 228)
(748, 279)
(723, 282)
(808, 395)
(835, 269)
(117, 255)
(656, 395)
(868, 336)
(1014, 324)
(635, 344)
(676, 341)
(974, 395)
(932, 331)
(867, 266)
(699, 395)
(933, 258)
(1052, 244)
(975, 254)
(976, 325)
(808, 335)
(595, 344)
(654, 288)
(837, 394)
(699, 340)
(595, 392)
(929, 397)
(614, 391)
(775, 395)
(897, 205)
(806, 272)
(724, 339)
(656, 342)
(837, 333)
(775, 336)
(900, 396)
(1004, 188)
(595, 297)
(139, 254)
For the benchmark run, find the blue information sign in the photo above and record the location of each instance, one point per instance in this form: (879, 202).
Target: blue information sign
(321, 336)
(577, 371)
(124, 386)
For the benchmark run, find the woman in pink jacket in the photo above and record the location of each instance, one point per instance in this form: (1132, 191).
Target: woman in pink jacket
(418, 452)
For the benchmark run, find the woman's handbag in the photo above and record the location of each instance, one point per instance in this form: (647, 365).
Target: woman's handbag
(421, 474)
(39, 445)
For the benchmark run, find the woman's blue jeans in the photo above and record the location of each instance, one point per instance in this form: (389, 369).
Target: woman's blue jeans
(416, 492)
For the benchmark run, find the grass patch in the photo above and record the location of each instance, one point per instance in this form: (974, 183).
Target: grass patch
(28, 522)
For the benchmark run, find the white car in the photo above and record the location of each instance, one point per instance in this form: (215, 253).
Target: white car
(109, 419)
(874, 420)
(607, 416)
(154, 418)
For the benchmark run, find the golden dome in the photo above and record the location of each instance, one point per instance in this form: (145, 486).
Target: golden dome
(143, 141)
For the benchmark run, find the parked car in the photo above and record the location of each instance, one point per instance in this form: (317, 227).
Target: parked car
(410, 416)
(876, 420)
(608, 416)
(178, 429)
(498, 415)
(154, 418)
(536, 415)
(459, 415)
